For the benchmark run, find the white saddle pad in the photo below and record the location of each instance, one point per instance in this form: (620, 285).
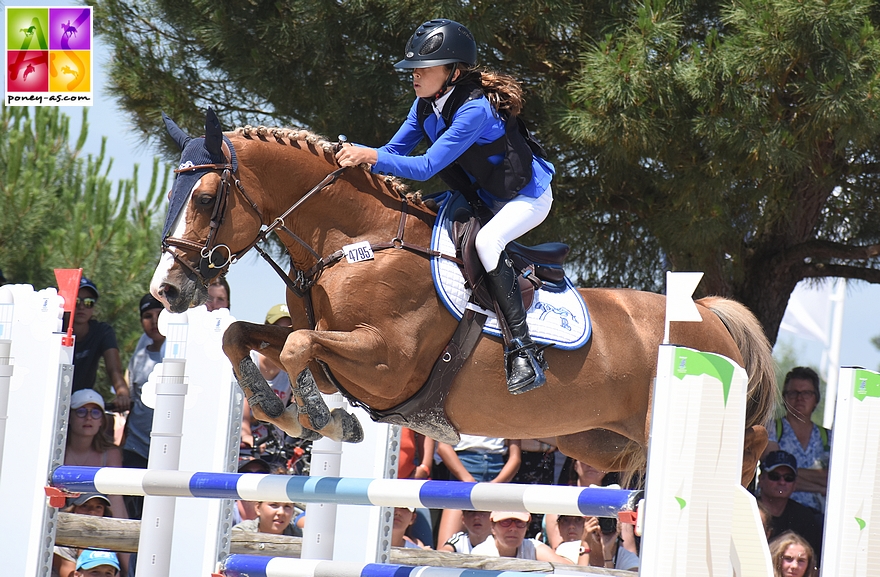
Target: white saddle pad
(558, 318)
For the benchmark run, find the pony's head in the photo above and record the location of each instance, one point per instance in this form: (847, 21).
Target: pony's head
(198, 241)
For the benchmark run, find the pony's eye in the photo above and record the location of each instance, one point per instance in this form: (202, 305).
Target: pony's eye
(205, 199)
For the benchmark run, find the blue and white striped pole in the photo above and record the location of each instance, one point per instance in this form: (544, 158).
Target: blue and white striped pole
(254, 566)
(561, 500)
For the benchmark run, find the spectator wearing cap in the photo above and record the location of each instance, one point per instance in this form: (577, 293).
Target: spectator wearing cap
(147, 354)
(508, 540)
(89, 440)
(776, 483)
(798, 435)
(65, 559)
(97, 564)
(95, 340)
(278, 380)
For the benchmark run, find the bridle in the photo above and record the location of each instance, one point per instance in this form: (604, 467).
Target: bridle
(216, 258)
(213, 258)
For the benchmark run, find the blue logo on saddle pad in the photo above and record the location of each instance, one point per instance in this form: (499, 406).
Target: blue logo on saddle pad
(559, 318)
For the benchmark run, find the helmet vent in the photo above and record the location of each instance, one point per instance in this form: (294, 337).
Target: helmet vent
(432, 44)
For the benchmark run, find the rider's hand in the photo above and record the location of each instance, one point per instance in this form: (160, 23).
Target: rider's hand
(350, 155)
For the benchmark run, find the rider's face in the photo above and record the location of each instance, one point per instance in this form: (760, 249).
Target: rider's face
(429, 81)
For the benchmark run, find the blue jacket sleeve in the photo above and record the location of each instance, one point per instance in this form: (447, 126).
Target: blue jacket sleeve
(470, 124)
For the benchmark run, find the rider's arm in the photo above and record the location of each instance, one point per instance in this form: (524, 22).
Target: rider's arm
(470, 123)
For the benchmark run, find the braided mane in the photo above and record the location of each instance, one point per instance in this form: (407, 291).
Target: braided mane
(292, 135)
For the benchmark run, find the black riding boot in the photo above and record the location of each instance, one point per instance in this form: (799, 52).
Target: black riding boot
(524, 372)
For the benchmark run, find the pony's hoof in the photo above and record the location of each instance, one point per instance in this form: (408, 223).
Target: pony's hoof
(313, 403)
(352, 432)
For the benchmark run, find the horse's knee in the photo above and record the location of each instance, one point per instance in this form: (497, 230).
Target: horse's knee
(234, 335)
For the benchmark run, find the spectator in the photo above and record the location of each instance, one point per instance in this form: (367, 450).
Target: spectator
(582, 540)
(251, 428)
(537, 467)
(97, 564)
(416, 458)
(95, 340)
(404, 517)
(218, 294)
(272, 517)
(792, 556)
(64, 562)
(247, 510)
(778, 477)
(796, 434)
(581, 475)
(88, 437)
(476, 459)
(476, 529)
(508, 540)
(147, 354)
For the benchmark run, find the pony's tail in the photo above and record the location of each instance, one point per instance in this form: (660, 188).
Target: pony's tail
(757, 354)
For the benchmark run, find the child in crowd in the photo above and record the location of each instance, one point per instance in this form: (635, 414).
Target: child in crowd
(97, 564)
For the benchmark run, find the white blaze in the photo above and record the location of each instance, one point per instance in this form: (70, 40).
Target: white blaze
(166, 261)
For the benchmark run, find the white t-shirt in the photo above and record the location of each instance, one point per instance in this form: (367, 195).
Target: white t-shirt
(480, 444)
(487, 548)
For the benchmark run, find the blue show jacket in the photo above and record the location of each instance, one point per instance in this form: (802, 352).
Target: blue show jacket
(475, 122)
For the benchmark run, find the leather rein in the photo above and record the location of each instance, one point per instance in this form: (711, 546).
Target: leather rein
(216, 258)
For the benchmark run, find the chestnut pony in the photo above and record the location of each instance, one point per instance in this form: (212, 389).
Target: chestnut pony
(379, 325)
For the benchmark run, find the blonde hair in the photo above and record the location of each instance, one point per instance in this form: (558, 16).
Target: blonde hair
(780, 545)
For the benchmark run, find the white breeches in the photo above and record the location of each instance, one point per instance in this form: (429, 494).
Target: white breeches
(514, 218)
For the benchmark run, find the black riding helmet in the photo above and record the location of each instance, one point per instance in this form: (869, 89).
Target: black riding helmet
(438, 42)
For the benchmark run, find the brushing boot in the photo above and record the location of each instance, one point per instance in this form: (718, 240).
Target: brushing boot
(524, 371)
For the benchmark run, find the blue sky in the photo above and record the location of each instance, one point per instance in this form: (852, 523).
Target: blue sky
(255, 287)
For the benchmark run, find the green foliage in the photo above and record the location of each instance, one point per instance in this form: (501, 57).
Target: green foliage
(737, 138)
(60, 210)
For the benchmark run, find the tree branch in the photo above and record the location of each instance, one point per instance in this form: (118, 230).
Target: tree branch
(824, 249)
(871, 275)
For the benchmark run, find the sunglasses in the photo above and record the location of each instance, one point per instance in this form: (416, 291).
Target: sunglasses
(508, 522)
(87, 302)
(791, 395)
(94, 413)
(774, 476)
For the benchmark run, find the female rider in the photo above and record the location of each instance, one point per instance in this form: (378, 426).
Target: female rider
(469, 117)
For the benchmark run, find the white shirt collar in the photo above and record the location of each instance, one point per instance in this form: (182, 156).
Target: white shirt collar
(440, 102)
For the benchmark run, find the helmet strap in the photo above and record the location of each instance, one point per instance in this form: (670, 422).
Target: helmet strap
(448, 82)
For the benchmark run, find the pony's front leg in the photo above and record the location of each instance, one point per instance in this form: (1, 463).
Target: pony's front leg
(238, 341)
(360, 356)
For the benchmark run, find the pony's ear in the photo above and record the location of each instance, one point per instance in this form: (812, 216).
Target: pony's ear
(213, 133)
(179, 136)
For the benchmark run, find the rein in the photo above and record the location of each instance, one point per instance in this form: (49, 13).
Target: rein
(213, 261)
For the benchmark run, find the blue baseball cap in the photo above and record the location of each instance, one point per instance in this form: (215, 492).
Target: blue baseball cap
(778, 459)
(90, 559)
(86, 283)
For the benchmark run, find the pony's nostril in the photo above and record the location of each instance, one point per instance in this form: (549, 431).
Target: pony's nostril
(169, 292)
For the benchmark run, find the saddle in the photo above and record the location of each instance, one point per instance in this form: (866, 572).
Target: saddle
(539, 266)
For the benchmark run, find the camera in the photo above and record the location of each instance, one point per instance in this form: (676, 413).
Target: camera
(608, 525)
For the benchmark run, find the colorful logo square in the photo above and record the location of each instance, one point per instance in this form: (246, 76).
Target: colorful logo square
(69, 72)
(28, 71)
(70, 29)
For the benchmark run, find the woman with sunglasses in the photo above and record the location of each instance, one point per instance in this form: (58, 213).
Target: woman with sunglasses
(508, 540)
(779, 473)
(89, 438)
(95, 340)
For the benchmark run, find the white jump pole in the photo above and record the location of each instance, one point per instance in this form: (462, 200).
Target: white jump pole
(7, 307)
(157, 521)
(39, 395)
(851, 545)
